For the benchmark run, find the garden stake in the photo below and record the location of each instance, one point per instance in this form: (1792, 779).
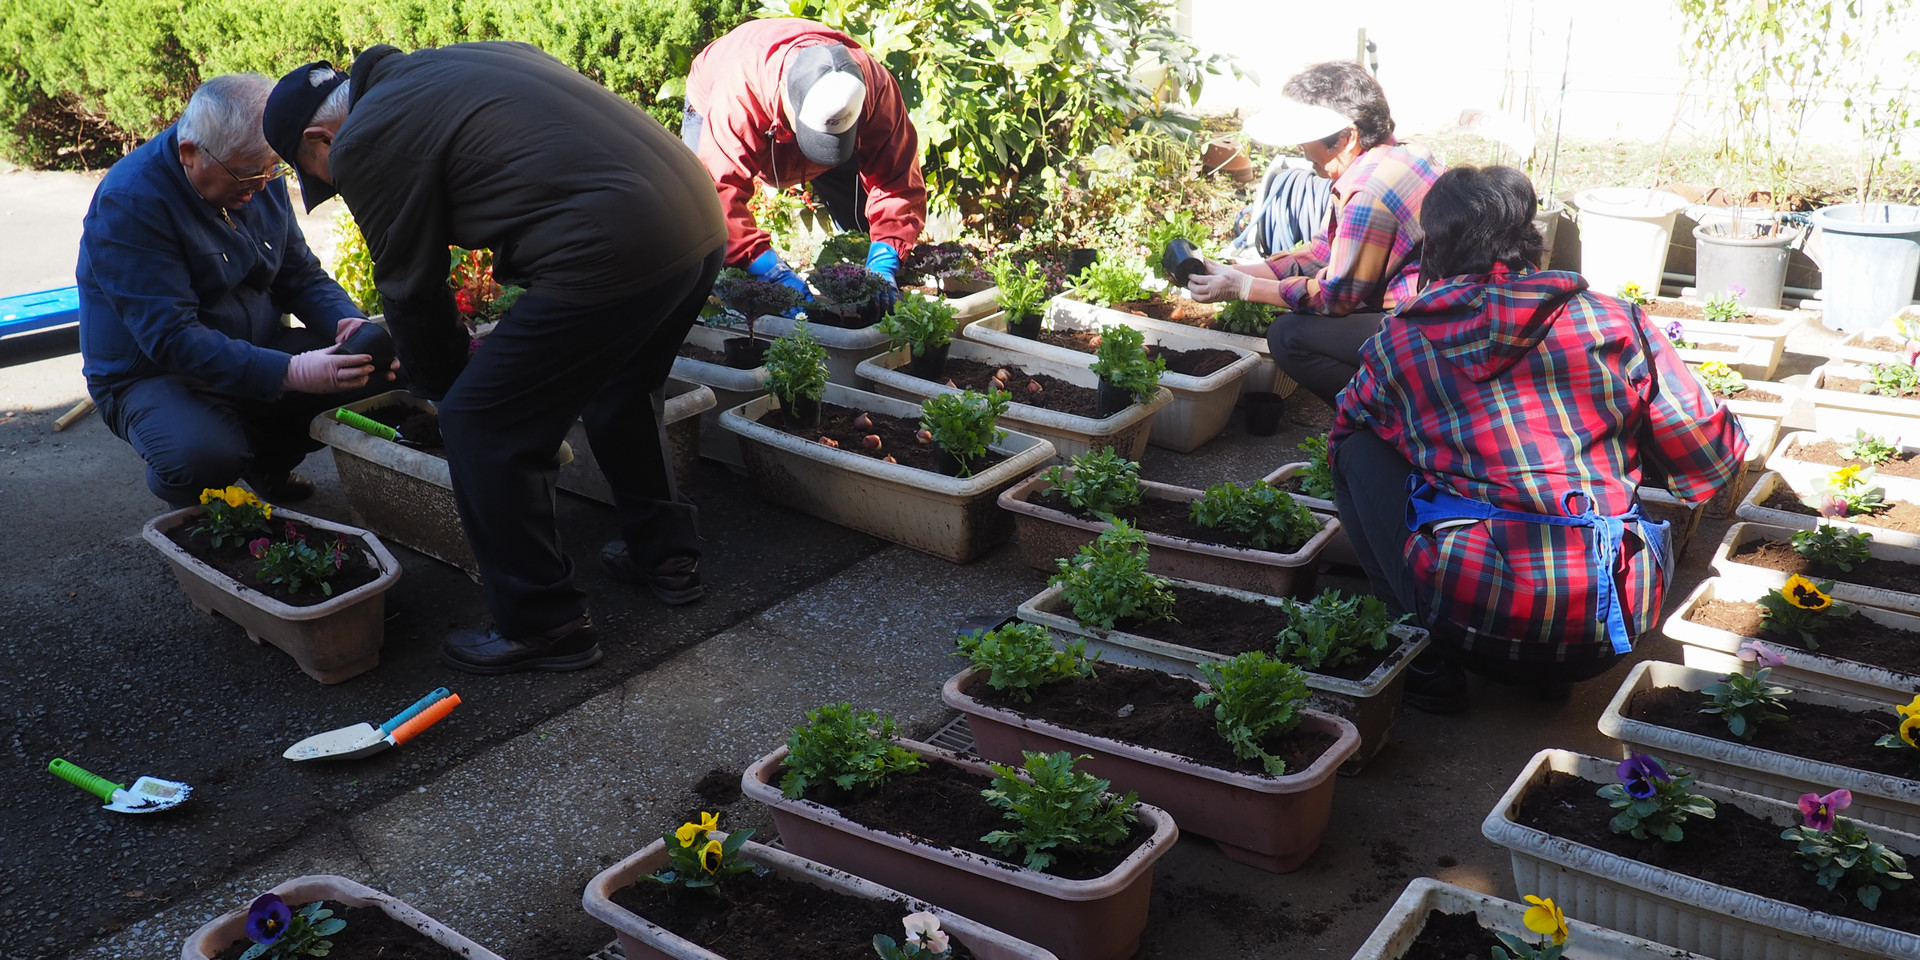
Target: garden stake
(364, 739)
(147, 795)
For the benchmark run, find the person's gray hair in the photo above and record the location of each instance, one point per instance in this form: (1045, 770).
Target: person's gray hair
(332, 111)
(223, 116)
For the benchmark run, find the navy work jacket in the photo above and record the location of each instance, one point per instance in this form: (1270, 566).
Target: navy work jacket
(168, 286)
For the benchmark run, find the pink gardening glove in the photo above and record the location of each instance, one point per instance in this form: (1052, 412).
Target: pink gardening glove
(327, 371)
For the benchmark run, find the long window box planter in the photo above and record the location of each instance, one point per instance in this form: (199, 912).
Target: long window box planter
(1842, 411)
(1773, 329)
(1850, 588)
(1264, 376)
(231, 927)
(1787, 460)
(1751, 358)
(1711, 648)
(686, 403)
(845, 346)
(1408, 917)
(1339, 547)
(1754, 508)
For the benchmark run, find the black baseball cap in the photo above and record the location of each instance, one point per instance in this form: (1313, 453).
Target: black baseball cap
(290, 108)
(825, 91)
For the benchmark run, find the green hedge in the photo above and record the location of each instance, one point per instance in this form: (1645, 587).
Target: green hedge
(82, 81)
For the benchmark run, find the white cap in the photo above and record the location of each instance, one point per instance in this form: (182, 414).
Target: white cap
(826, 91)
(833, 105)
(1290, 123)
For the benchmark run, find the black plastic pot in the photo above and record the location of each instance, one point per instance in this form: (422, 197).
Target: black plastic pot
(1263, 412)
(745, 353)
(1181, 261)
(945, 463)
(800, 412)
(930, 365)
(1025, 325)
(1080, 258)
(371, 339)
(1109, 400)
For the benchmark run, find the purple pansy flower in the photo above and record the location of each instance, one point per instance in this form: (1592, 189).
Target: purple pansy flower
(259, 547)
(1674, 331)
(1738, 290)
(1639, 772)
(1818, 811)
(1834, 505)
(268, 916)
(1753, 651)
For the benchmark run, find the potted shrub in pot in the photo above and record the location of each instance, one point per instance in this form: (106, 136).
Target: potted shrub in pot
(1861, 651)
(847, 295)
(926, 327)
(1127, 375)
(961, 428)
(313, 588)
(1023, 289)
(294, 918)
(797, 375)
(1021, 695)
(1042, 852)
(750, 299)
(953, 271)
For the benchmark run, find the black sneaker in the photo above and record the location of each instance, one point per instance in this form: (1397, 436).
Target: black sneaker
(675, 581)
(286, 488)
(571, 646)
(1436, 686)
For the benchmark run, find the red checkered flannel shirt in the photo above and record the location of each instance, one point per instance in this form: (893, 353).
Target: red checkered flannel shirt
(1368, 257)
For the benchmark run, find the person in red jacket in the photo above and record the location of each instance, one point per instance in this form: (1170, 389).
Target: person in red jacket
(789, 101)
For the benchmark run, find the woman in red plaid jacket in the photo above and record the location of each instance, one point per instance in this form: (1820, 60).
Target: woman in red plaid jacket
(1487, 454)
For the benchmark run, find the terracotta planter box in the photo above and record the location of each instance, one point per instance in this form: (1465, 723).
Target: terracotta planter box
(1841, 412)
(1201, 405)
(402, 494)
(1408, 916)
(1098, 919)
(845, 347)
(1753, 359)
(1853, 592)
(1710, 648)
(731, 387)
(1339, 547)
(641, 939)
(1371, 703)
(1071, 436)
(1807, 475)
(685, 403)
(1774, 334)
(953, 518)
(1273, 823)
(1877, 798)
(1753, 508)
(1676, 909)
(231, 927)
(1046, 534)
(332, 641)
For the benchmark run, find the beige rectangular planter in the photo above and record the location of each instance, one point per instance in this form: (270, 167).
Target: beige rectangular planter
(1710, 648)
(1841, 412)
(1097, 919)
(685, 404)
(845, 347)
(953, 518)
(1671, 907)
(1854, 348)
(1753, 359)
(1371, 703)
(1658, 505)
(1047, 534)
(1760, 433)
(231, 927)
(1408, 916)
(1265, 375)
(1273, 823)
(1774, 334)
(641, 939)
(1775, 410)
(1807, 475)
(1752, 509)
(334, 640)
(1340, 546)
(1126, 431)
(1201, 405)
(1847, 590)
(731, 387)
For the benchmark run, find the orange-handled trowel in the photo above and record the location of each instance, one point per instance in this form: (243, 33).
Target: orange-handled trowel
(365, 739)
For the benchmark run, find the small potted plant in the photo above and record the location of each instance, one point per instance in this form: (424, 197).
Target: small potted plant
(1126, 374)
(925, 326)
(750, 299)
(961, 425)
(950, 268)
(797, 375)
(848, 295)
(298, 918)
(1023, 288)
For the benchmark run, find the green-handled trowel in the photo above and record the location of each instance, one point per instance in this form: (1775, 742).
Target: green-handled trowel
(147, 795)
(366, 424)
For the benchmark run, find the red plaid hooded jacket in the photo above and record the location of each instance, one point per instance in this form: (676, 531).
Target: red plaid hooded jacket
(1515, 391)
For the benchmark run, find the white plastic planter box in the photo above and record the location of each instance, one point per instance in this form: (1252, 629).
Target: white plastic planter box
(1340, 547)
(1264, 376)
(1371, 703)
(1773, 334)
(1671, 907)
(1408, 916)
(1775, 410)
(1841, 412)
(1854, 348)
(231, 927)
(973, 306)
(1752, 509)
(1877, 798)
(1760, 433)
(1201, 405)
(1752, 358)
(685, 404)
(1071, 436)
(1711, 648)
(1662, 505)
(1851, 591)
(845, 347)
(953, 518)
(1806, 474)
(731, 387)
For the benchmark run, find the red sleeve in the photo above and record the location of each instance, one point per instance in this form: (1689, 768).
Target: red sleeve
(889, 155)
(720, 145)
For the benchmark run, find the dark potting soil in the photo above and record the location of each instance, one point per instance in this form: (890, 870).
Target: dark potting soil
(1779, 555)
(941, 806)
(1166, 517)
(1750, 393)
(1454, 936)
(370, 935)
(1223, 625)
(896, 436)
(1814, 731)
(1735, 849)
(753, 916)
(1896, 515)
(1692, 311)
(236, 562)
(1853, 637)
(1055, 394)
(1850, 385)
(694, 352)
(1192, 363)
(420, 427)
(1159, 713)
(1189, 312)
(1828, 452)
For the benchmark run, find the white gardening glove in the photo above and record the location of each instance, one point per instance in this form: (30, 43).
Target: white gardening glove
(327, 371)
(1219, 284)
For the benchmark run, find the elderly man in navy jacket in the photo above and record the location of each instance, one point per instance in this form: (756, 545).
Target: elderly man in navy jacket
(189, 260)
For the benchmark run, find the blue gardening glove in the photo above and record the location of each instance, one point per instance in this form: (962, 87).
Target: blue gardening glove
(884, 260)
(769, 266)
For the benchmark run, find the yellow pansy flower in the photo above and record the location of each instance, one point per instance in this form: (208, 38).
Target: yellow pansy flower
(1715, 368)
(1801, 592)
(1845, 476)
(1910, 728)
(711, 855)
(1546, 919)
(207, 495)
(1909, 709)
(688, 833)
(236, 497)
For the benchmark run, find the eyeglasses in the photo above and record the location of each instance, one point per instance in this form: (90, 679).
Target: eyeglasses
(255, 182)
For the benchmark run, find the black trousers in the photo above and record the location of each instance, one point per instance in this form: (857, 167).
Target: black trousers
(546, 364)
(839, 187)
(1321, 353)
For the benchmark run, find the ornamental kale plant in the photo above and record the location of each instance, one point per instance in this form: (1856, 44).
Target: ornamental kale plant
(1652, 803)
(1801, 609)
(1254, 696)
(1723, 308)
(1267, 517)
(962, 423)
(1057, 808)
(796, 366)
(1112, 279)
(852, 750)
(752, 298)
(1904, 737)
(1107, 580)
(697, 861)
(925, 940)
(849, 247)
(847, 286)
(1868, 448)
(1102, 483)
(919, 322)
(1892, 380)
(1023, 287)
(1316, 480)
(1831, 545)
(1245, 316)
(280, 933)
(295, 564)
(1745, 703)
(1331, 630)
(1721, 379)
(1543, 918)
(930, 263)
(1121, 360)
(1021, 657)
(230, 515)
(1846, 492)
(1840, 854)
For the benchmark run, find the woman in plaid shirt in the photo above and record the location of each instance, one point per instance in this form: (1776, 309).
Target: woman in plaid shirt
(1486, 455)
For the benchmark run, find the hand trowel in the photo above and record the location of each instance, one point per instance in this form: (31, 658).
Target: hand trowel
(369, 425)
(147, 795)
(365, 739)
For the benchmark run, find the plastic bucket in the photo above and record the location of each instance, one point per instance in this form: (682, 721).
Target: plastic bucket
(1870, 257)
(1547, 221)
(1624, 232)
(1730, 257)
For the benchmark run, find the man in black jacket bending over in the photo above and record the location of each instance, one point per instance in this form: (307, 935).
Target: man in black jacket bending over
(614, 228)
